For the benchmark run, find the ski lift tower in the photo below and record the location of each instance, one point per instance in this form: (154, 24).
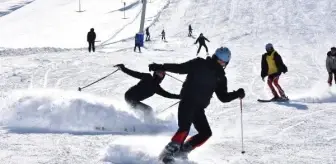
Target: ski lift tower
(140, 35)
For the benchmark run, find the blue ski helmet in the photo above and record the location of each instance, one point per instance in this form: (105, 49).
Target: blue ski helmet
(223, 54)
(269, 47)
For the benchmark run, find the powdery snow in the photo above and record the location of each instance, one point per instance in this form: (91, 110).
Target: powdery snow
(43, 61)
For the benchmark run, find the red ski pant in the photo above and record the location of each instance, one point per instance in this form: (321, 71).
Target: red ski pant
(191, 113)
(274, 80)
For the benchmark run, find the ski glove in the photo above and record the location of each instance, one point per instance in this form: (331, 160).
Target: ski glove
(285, 70)
(155, 67)
(240, 93)
(120, 66)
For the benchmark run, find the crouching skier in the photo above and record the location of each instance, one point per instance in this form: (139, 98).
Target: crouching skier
(204, 77)
(146, 87)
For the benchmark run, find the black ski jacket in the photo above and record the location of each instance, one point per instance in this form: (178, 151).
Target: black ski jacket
(201, 40)
(91, 36)
(278, 62)
(146, 88)
(204, 77)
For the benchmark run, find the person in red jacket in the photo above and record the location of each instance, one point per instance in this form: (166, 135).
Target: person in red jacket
(272, 66)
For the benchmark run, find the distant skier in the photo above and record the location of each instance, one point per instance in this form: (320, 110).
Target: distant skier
(137, 43)
(204, 77)
(91, 38)
(163, 33)
(201, 39)
(146, 87)
(147, 34)
(190, 31)
(331, 65)
(272, 66)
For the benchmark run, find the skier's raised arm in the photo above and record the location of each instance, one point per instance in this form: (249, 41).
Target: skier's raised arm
(182, 68)
(132, 73)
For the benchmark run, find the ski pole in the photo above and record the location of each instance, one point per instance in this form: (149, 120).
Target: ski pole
(80, 88)
(174, 77)
(241, 119)
(168, 107)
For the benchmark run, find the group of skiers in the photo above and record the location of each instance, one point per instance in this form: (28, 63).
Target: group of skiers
(91, 39)
(201, 40)
(163, 35)
(204, 77)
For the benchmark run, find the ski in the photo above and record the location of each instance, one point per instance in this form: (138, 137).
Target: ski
(261, 100)
(102, 128)
(270, 100)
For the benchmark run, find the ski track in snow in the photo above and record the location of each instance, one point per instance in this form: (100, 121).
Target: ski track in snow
(44, 119)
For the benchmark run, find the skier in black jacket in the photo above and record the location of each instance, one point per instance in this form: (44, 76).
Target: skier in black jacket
(147, 87)
(147, 34)
(91, 37)
(190, 31)
(331, 65)
(201, 39)
(272, 66)
(204, 77)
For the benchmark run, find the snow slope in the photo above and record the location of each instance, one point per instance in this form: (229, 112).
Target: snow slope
(64, 27)
(45, 120)
(8, 6)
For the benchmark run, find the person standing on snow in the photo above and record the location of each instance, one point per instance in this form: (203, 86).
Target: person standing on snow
(163, 33)
(204, 77)
(190, 31)
(201, 39)
(91, 38)
(331, 65)
(272, 66)
(147, 34)
(137, 43)
(146, 87)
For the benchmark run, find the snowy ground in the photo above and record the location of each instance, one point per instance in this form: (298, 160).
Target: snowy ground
(44, 118)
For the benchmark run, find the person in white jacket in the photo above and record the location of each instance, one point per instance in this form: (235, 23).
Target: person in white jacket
(331, 65)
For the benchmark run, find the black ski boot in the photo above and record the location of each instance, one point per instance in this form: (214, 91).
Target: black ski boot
(167, 155)
(283, 98)
(184, 151)
(275, 98)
